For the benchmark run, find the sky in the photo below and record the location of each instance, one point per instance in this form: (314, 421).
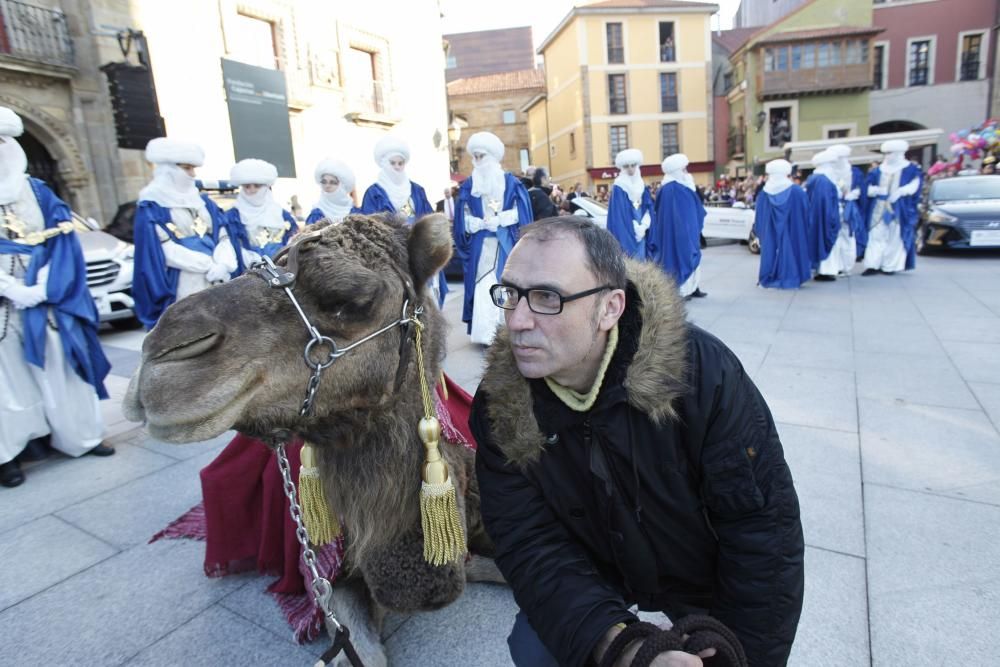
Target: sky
(542, 15)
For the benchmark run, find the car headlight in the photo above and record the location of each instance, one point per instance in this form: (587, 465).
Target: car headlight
(940, 217)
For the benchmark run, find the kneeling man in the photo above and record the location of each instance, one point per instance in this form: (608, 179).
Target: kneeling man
(625, 457)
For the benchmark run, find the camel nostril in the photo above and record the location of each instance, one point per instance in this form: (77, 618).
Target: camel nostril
(191, 348)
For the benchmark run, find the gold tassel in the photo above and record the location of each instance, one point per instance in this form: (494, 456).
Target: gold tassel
(321, 524)
(444, 535)
(444, 385)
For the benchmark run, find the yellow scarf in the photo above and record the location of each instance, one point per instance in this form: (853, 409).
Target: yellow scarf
(573, 399)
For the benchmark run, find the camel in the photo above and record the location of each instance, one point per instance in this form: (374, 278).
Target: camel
(231, 357)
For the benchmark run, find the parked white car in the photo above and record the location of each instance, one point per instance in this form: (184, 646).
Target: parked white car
(109, 273)
(731, 222)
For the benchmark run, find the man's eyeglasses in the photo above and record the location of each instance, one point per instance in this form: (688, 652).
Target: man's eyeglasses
(540, 300)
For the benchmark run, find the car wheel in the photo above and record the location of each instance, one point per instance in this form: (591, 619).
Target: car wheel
(125, 324)
(753, 244)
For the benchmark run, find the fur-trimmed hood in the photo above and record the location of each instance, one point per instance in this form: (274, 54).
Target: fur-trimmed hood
(655, 377)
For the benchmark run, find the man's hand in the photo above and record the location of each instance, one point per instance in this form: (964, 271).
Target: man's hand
(668, 659)
(23, 296)
(473, 224)
(876, 191)
(217, 273)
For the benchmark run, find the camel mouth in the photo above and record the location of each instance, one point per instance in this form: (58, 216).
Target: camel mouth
(206, 424)
(189, 349)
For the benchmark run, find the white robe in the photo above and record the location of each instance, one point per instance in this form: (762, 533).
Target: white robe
(35, 401)
(691, 284)
(885, 250)
(486, 317)
(191, 264)
(841, 259)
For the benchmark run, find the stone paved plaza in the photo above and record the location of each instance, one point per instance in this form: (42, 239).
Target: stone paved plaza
(886, 391)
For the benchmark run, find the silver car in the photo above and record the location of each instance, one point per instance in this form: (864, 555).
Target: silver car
(109, 273)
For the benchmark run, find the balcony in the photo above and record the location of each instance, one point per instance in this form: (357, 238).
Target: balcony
(815, 81)
(737, 143)
(370, 102)
(36, 34)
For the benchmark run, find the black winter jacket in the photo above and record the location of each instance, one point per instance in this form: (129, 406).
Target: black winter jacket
(671, 491)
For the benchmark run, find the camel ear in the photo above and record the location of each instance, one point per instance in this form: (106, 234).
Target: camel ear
(429, 247)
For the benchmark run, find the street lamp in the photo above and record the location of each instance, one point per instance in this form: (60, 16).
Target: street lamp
(454, 134)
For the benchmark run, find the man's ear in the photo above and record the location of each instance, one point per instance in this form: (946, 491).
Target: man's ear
(612, 309)
(429, 247)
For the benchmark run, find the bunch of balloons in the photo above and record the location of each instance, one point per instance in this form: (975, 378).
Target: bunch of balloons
(976, 142)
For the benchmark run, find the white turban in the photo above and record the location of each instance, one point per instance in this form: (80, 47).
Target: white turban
(674, 163)
(628, 156)
(840, 150)
(779, 167)
(253, 171)
(10, 123)
(340, 169)
(486, 142)
(823, 157)
(895, 146)
(390, 146)
(163, 150)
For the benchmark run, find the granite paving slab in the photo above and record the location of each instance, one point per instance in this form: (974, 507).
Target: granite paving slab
(819, 397)
(977, 362)
(930, 380)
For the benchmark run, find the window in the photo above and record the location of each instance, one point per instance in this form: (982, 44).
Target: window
(781, 58)
(668, 91)
(619, 140)
(779, 123)
(796, 57)
(919, 62)
(450, 62)
(878, 68)
(972, 47)
(572, 143)
(835, 53)
(768, 60)
(669, 142)
(253, 42)
(808, 56)
(838, 134)
(509, 117)
(856, 52)
(362, 81)
(617, 99)
(668, 51)
(616, 45)
(823, 55)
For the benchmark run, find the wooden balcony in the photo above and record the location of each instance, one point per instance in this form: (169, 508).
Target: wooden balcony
(814, 81)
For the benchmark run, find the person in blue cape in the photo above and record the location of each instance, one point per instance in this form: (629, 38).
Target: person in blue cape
(52, 367)
(631, 206)
(257, 223)
(181, 242)
(492, 207)
(893, 195)
(780, 221)
(824, 218)
(336, 183)
(853, 199)
(674, 238)
(394, 192)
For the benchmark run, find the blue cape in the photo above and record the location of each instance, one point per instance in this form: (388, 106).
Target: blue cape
(377, 201)
(470, 246)
(622, 216)
(824, 217)
(66, 292)
(674, 238)
(241, 240)
(316, 214)
(855, 211)
(780, 222)
(154, 284)
(905, 209)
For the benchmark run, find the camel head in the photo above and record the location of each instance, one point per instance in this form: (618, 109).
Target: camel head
(232, 355)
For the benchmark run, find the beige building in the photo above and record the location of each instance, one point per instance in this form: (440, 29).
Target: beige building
(350, 77)
(625, 73)
(492, 103)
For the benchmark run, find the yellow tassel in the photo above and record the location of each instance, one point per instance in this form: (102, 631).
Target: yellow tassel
(444, 535)
(444, 386)
(321, 524)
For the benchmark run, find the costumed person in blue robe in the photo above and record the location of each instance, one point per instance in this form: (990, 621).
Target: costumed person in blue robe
(181, 242)
(52, 367)
(336, 183)
(258, 223)
(674, 238)
(854, 198)
(893, 195)
(631, 206)
(394, 192)
(780, 220)
(492, 207)
(825, 220)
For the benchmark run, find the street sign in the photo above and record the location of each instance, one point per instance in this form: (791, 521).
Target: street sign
(258, 115)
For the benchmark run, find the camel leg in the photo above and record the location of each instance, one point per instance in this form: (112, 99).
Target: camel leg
(351, 605)
(480, 568)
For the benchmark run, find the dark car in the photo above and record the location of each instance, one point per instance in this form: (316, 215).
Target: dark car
(961, 212)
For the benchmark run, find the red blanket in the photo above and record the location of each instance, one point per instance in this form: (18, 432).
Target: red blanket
(244, 521)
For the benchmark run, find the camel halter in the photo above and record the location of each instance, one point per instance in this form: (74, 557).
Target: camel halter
(444, 536)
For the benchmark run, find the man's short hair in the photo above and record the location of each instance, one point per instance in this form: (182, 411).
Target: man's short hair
(604, 253)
